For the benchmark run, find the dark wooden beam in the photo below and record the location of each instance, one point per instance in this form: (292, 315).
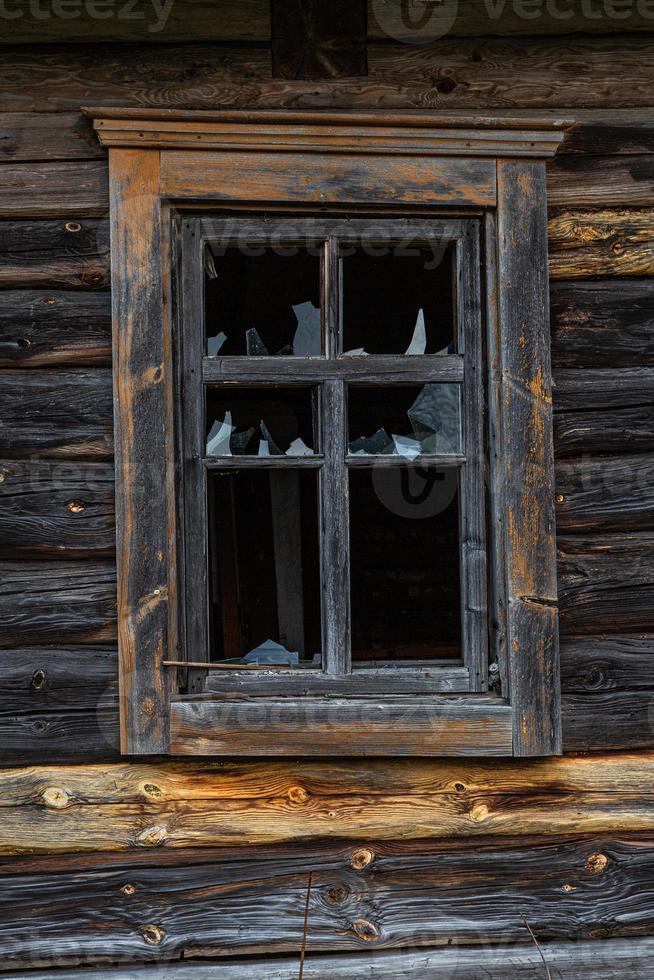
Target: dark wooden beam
(313, 39)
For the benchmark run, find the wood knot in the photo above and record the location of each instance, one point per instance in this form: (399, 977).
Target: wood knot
(361, 858)
(596, 863)
(336, 894)
(39, 681)
(128, 889)
(75, 507)
(560, 498)
(365, 930)
(479, 813)
(152, 836)
(617, 248)
(73, 227)
(569, 888)
(459, 787)
(152, 934)
(298, 794)
(56, 797)
(151, 789)
(92, 278)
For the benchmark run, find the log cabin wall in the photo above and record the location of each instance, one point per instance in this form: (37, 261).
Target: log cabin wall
(436, 868)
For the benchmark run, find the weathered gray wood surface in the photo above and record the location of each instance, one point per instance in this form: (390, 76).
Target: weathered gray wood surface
(41, 328)
(62, 254)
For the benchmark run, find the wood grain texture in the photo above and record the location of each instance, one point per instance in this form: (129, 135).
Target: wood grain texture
(314, 40)
(602, 324)
(606, 583)
(590, 181)
(41, 328)
(230, 903)
(338, 726)
(524, 475)
(57, 509)
(451, 73)
(612, 959)
(585, 244)
(605, 493)
(337, 179)
(57, 602)
(600, 664)
(41, 136)
(54, 189)
(609, 722)
(63, 414)
(59, 254)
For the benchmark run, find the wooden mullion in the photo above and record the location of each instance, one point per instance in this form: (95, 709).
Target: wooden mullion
(314, 230)
(371, 369)
(263, 462)
(472, 516)
(191, 349)
(334, 488)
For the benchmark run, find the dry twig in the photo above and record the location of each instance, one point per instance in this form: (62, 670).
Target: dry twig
(537, 945)
(306, 928)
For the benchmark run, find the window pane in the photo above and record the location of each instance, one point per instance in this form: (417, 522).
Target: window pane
(263, 301)
(398, 300)
(407, 421)
(264, 567)
(404, 555)
(260, 421)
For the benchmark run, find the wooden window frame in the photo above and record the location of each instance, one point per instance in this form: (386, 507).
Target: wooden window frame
(466, 173)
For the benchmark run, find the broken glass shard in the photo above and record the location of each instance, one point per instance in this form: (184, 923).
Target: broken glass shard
(239, 440)
(271, 653)
(299, 448)
(254, 344)
(418, 343)
(356, 352)
(273, 448)
(380, 443)
(215, 343)
(435, 417)
(307, 338)
(218, 440)
(405, 446)
(285, 351)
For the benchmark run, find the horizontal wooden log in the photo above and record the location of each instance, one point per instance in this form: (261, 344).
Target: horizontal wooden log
(589, 181)
(63, 509)
(606, 583)
(619, 720)
(405, 896)
(57, 602)
(601, 664)
(185, 20)
(605, 493)
(40, 328)
(603, 324)
(450, 73)
(41, 190)
(603, 411)
(53, 255)
(40, 136)
(607, 959)
(584, 244)
(61, 414)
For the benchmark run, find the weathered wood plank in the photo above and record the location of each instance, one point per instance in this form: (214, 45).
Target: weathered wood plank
(605, 324)
(609, 959)
(40, 136)
(57, 602)
(61, 413)
(606, 583)
(363, 898)
(589, 181)
(619, 720)
(605, 493)
(63, 509)
(604, 131)
(143, 21)
(40, 328)
(314, 40)
(603, 411)
(451, 73)
(356, 726)
(601, 664)
(54, 189)
(583, 244)
(53, 255)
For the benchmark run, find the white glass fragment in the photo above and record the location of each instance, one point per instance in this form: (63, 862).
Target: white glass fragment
(218, 440)
(435, 416)
(215, 343)
(299, 448)
(380, 443)
(271, 653)
(273, 449)
(407, 447)
(356, 352)
(307, 337)
(418, 343)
